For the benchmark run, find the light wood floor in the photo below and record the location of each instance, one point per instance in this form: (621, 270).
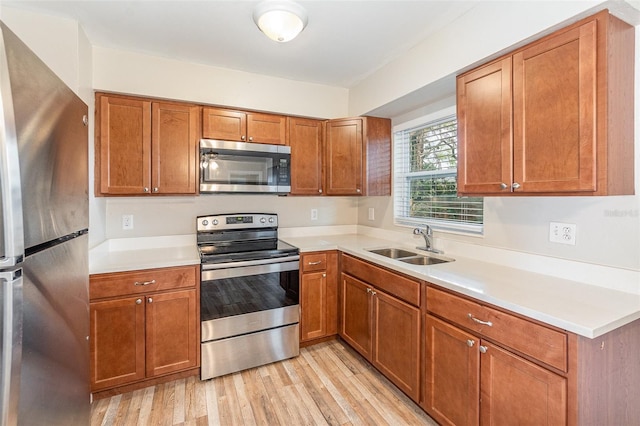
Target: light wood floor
(327, 384)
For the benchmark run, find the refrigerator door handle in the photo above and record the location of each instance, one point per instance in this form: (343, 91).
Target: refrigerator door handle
(12, 226)
(11, 350)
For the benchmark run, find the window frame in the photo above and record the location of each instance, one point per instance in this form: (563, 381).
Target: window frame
(402, 174)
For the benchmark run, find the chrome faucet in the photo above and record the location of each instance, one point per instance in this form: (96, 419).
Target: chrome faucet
(427, 233)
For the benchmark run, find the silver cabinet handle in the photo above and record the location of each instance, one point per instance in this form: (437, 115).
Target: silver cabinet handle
(320, 191)
(250, 138)
(145, 189)
(470, 343)
(150, 300)
(515, 185)
(155, 189)
(145, 282)
(138, 301)
(358, 190)
(324, 275)
(243, 137)
(368, 290)
(483, 349)
(314, 263)
(476, 320)
(503, 185)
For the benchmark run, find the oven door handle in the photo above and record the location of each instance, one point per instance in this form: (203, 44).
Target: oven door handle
(238, 264)
(248, 268)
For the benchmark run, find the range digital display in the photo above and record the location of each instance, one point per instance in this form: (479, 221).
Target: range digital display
(239, 219)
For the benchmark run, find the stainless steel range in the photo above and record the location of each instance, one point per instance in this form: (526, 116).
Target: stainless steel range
(249, 293)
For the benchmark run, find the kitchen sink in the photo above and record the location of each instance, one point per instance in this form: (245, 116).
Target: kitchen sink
(394, 253)
(411, 257)
(425, 260)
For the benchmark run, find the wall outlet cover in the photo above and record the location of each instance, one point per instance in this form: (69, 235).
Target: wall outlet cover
(562, 233)
(127, 221)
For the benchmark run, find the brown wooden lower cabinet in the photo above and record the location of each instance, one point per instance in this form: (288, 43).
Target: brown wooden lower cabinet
(138, 332)
(470, 381)
(318, 295)
(383, 329)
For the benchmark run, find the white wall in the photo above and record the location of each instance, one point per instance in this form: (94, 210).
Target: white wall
(608, 228)
(177, 215)
(128, 72)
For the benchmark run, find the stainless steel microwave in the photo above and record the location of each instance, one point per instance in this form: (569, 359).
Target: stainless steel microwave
(241, 167)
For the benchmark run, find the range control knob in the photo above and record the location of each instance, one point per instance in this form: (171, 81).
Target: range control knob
(263, 220)
(205, 222)
(215, 221)
(271, 220)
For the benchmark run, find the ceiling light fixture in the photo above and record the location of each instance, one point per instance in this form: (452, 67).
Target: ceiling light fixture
(280, 20)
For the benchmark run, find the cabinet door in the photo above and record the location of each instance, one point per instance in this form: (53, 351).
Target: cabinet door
(452, 382)
(396, 340)
(313, 306)
(175, 137)
(117, 342)
(125, 146)
(484, 129)
(554, 91)
(305, 139)
(355, 312)
(343, 157)
(267, 128)
(517, 392)
(224, 124)
(171, 332)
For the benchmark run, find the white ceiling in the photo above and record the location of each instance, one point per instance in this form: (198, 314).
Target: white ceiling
(343, 43)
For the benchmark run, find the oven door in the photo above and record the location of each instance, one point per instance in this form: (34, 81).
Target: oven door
(244, 167)
(243, 297)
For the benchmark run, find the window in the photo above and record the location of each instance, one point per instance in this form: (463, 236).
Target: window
(425, 183)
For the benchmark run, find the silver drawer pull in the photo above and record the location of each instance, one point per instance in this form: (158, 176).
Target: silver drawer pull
(483, 349)
(476, 320)
(145, 282)
(314, 263)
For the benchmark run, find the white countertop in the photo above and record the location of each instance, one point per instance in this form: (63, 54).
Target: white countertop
(129, 254)
(584, 309)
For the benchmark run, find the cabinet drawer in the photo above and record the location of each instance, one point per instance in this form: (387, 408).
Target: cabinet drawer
(397, 285)
(539, 342)
(314, 262)
(136, 282)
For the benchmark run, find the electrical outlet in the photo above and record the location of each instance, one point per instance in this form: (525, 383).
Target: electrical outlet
(563, 233)
(372, 213)
(127, 221)
(314, 214)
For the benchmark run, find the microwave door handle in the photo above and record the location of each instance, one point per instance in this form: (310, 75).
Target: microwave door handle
(12, 227)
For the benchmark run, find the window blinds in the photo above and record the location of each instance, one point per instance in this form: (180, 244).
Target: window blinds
(425, 182)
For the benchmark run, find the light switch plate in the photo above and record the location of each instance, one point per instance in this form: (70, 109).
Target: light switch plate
(314, 214)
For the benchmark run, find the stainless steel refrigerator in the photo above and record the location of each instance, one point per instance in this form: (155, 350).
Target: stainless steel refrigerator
(44, 303)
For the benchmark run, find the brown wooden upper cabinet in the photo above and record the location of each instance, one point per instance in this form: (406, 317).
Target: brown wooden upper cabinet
(145, 147)
(232, 125)
(306, 138)
(554, 117)
(358, 156)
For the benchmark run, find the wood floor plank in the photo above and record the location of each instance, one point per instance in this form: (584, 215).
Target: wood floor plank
(344, 405)
(213, 417)
(327, 405)
(178, 410)
(328, 384)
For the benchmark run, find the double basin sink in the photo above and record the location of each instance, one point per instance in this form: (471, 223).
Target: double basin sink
(411, 257)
